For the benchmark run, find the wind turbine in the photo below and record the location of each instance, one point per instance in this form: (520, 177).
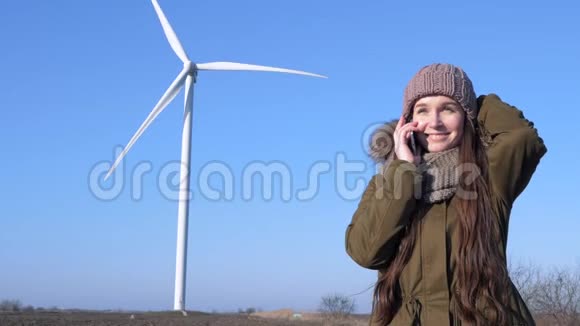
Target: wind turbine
(187, 76)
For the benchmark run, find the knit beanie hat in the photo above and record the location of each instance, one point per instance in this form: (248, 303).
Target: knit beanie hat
(441, 79)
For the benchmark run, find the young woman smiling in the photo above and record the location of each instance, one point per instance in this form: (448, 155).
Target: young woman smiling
(435, 222)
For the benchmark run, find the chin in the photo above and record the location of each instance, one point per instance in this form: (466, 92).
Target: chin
(434, 148)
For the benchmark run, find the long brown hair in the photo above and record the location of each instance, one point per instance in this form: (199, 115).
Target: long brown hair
(482, 276)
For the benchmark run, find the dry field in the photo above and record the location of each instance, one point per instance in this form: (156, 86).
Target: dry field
(82, 318)
(284, 317)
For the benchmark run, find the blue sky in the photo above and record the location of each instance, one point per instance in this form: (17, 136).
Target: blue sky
(77, 78)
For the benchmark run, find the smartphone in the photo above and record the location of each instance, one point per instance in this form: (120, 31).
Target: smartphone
(413, 145)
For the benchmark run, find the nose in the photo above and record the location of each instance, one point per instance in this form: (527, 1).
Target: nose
(434, 120)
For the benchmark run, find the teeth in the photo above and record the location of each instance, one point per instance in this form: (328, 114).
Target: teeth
(437, 136)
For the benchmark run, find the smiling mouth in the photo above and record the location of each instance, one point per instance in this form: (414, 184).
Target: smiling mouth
(437, 136)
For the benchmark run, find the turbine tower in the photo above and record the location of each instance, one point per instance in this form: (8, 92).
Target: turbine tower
(186, 77)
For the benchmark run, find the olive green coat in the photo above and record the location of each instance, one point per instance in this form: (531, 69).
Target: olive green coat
(373, 236)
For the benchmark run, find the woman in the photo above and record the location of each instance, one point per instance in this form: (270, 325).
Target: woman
(434, 223)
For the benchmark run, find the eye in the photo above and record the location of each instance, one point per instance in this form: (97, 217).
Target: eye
(420, 110)
(450, 109)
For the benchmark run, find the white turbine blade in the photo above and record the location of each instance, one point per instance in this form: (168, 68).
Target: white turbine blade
(245, 66)
(170, 34)
(169, 95)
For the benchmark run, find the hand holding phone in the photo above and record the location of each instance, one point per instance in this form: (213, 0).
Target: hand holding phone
(405, 143)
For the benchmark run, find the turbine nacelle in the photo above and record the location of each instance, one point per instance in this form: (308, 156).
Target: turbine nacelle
(190, 67)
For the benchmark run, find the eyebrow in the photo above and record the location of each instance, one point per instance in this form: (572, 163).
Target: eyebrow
(450, 103)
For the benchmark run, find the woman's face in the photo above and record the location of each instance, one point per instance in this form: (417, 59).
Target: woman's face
(443, 120)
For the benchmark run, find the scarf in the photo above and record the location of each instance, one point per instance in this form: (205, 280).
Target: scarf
(440, 177)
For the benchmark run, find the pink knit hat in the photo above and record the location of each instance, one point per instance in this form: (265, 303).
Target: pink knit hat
(441, 79)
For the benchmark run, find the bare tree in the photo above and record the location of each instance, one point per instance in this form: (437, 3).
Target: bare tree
(337, 306)
(558, 296)
(10, 305)
(553, 296)
(526, 277)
